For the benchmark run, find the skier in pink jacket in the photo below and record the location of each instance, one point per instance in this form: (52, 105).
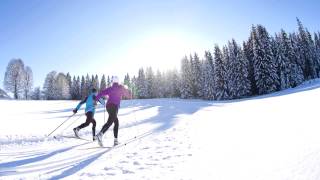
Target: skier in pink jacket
(114, 93)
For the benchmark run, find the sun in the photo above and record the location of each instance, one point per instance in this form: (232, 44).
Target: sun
(162, 51)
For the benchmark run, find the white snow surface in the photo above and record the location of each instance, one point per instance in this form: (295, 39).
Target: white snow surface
(276, 136)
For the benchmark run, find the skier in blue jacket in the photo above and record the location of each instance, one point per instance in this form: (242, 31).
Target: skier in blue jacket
(90, 102)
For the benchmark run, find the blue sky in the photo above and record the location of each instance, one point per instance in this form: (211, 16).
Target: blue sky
(115, 37)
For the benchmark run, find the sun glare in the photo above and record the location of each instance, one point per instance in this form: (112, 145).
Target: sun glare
(161, 51)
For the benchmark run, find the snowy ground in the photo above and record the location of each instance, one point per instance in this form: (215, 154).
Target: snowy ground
(270, 137)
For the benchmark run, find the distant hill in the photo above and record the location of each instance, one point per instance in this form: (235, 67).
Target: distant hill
(4, 95)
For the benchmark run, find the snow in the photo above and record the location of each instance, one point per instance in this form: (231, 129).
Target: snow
(275, 136)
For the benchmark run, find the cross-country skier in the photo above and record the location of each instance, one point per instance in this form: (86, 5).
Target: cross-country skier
(90, 101)
(114, 93)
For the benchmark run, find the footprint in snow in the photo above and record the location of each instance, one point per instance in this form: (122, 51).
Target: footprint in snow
(127, 172)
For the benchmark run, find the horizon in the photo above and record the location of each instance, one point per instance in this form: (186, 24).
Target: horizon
(85, 38)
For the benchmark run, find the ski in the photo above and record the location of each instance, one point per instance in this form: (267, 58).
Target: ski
(80, 138)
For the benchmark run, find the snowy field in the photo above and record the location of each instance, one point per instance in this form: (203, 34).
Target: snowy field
(276, 137)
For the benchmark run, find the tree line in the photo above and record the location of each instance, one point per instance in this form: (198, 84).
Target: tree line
(262, 64)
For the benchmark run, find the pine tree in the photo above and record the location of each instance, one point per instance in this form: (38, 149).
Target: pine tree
(69, 79)
(108, 81)
(248, 51)
(150, 83)
(317, 49)
(176, 83)
(134, 89)
(220, 78)
(239, 72)
(141, 85)
(75, 89)
(88, 85)
(306, 50)
(208, 77)
(186, 88)
(283, 59)
(265, 71)
(127, 81)
(298, 74)
(83, 88)
(95, 82)
(196, 76)
(103, 83)
(226, 62)
(78, 88)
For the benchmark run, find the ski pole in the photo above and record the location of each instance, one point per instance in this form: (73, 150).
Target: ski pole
(104, 114)
(61, 124)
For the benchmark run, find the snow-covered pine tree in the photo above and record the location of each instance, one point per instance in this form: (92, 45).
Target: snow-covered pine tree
(313, 55)
(295, 71)
(317, 47)
(306, 52)
(27, 82)
(134, 87)
(103, 83)
(220, 78)
(227, 67)
(88, 84)
(176, 83)
(186, 88)
(275, 45)
(208, 77)
(248, 51)
(69, 79)
(141, 85)
(14, 77)
(78, 88)
(238, 77)
(283, 60)
(73, 88)
(96, 82)
(297, 59)
(150, 83)
(159, 85)
(127, 81)
(265, 70)
(83, 88)
(196, 76)
(108, 81)
(49, 87)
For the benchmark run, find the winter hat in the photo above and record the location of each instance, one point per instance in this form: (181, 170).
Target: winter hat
(115, 79)
(93, 90)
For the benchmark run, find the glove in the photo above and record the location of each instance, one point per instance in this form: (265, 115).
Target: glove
(75, 111)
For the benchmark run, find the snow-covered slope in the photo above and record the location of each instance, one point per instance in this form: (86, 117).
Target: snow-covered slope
(268, 137)
(3, 95)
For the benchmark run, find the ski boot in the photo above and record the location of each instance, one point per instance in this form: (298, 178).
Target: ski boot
(115, 142)
(76, 132)
(99, 138)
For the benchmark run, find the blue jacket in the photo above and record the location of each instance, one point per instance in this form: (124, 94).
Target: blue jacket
(90, 103)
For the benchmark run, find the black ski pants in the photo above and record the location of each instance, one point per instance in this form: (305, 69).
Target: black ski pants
(113, 118)
(90, 119)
